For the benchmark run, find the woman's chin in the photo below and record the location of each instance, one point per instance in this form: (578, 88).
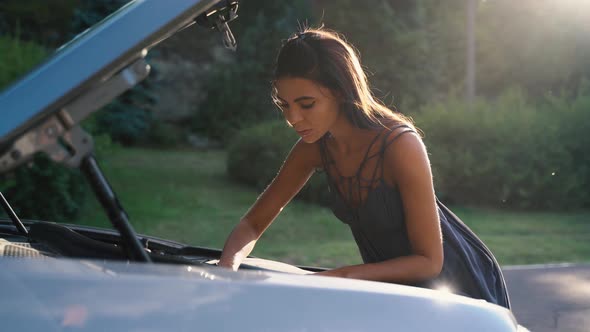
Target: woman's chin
(309, 138)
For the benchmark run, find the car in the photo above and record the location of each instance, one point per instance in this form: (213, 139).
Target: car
(58, 276)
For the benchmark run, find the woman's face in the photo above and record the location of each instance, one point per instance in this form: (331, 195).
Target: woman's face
(308, 107)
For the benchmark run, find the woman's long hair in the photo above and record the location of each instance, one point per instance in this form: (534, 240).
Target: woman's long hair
(324, 57)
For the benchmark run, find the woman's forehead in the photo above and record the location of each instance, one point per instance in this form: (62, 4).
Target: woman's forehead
(290, 88)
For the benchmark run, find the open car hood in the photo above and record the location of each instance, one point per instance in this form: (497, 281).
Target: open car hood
(42, 112)
(88, 72)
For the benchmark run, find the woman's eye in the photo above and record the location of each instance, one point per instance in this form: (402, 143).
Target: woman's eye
(306, 106)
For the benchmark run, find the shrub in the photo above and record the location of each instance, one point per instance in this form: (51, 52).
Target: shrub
(164, 134)
(45, 190)
(509, 152)
(256, 154)
(124, 123)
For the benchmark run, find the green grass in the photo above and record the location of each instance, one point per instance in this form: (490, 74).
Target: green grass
(528, 237)
(186, 196)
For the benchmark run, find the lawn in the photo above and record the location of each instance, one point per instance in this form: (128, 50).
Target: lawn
(186, 196)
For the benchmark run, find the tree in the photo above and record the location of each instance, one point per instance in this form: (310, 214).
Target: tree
(43, 22)
(542, 46)
(238, 90)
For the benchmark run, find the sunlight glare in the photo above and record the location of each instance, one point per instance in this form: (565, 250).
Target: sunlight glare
(445, 289)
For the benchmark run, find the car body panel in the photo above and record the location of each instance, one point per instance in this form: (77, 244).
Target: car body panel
(115, 296)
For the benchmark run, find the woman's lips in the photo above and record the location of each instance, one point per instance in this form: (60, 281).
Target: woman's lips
(304, 133)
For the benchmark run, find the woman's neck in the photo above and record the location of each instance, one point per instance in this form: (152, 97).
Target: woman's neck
(348, 138)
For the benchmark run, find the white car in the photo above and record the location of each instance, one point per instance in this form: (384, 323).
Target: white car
(59, 277)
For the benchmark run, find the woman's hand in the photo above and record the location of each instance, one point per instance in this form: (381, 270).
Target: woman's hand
(238, 245)
(298, 167)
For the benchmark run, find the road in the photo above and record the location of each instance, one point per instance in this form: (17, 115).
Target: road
(550, 298)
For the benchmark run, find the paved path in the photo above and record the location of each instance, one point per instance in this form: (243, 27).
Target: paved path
(550, 298)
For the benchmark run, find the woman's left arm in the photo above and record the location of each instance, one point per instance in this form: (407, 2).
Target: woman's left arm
(410, 169)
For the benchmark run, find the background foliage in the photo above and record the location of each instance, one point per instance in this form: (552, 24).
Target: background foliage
(521, 144)
(128, 119)
(524, 140)
(238, 90)
(510, 152)
(45, 22)
(507, 153)
(41, 189)
(254, 159)
(17, 57)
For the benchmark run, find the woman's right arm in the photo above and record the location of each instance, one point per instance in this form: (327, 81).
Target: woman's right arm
(300, 164)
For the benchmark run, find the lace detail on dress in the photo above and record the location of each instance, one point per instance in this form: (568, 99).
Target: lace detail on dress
(353, 189)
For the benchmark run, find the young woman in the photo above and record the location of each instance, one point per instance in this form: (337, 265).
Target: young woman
(378, 172)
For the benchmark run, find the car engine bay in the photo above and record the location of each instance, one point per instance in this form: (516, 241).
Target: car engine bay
(46, 240)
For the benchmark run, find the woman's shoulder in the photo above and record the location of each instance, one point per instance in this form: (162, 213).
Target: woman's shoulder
(402, 142)
(395, 129)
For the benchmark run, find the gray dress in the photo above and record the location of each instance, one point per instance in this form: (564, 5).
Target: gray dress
(374, 212)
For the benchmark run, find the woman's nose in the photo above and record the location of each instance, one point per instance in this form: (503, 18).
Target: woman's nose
(292, 116)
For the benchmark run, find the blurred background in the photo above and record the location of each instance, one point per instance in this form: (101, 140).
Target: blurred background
(500, 89)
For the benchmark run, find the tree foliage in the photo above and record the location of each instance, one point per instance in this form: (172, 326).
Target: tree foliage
(542, 46)
(17, 57)
(238, 90)
(44, 190)
(43, 22)
(254, 159)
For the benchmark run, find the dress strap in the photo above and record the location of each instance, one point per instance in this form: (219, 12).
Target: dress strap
(387, 140)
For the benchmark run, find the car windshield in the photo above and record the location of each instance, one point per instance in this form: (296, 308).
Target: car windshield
(500, 91)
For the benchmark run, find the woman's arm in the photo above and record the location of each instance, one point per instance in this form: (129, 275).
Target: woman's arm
(410, 169)
(303, 159)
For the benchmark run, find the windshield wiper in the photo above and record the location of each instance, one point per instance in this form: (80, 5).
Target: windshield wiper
(12, 215)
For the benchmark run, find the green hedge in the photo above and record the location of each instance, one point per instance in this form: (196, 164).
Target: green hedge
(45, 190)
(256, 154)
(506, 153)
(511, 152)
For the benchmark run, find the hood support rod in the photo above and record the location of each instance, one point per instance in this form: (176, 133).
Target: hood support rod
(115, 212)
